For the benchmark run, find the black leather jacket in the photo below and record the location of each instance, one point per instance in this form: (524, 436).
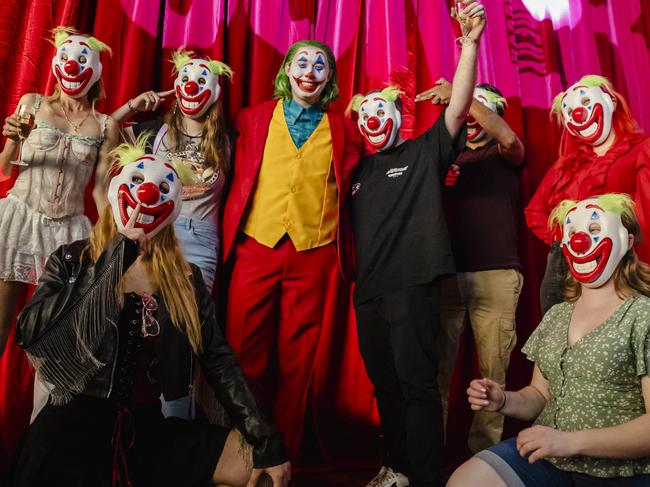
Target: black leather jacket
(67, 279)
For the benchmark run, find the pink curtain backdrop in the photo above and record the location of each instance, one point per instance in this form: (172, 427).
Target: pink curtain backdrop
(531, 50)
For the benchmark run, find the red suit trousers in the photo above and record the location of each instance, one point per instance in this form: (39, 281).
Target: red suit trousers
(278, 300)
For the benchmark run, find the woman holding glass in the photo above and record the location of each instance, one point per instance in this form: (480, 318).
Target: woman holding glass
(57, 142)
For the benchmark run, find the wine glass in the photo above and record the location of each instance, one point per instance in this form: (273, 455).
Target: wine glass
(460, 6)
(26, 119)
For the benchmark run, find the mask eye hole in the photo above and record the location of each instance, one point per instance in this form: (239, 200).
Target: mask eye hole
(586, 101)
(569, 111)
(137, 179)
(594, 228)
(201, 81)
(365, 117)
(380, 113)
(82, 59)
(185, 79)
(64, 57)
(164, 187)
(572, 232)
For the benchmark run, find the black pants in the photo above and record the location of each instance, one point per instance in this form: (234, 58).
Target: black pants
(397, 337)
(551, 291)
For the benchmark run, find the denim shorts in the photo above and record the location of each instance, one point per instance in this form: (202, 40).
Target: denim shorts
(515, 471)
(199, 240)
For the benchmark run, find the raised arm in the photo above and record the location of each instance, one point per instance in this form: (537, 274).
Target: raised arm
(148, 101)
(473, 16)
(524, 404)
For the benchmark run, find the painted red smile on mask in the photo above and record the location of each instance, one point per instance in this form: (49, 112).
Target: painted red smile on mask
(474, 129)
(191, 105)
(583, 131)
(381, 136)
(158, 213)
(67, 83)
(584, 272)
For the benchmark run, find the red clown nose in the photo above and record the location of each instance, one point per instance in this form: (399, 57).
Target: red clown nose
(373, 123)
(71, 68)
(580, 242)
(579, 115)
(191, 88)
(148, 193)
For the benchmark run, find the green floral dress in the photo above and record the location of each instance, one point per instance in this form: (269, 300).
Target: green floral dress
(596, 383)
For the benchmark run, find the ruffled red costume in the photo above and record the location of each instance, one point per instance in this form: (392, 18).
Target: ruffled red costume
(580, 173)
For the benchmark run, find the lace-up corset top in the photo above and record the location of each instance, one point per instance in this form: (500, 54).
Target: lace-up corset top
(59, 168)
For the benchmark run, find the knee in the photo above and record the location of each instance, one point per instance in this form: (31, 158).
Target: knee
(475, 472)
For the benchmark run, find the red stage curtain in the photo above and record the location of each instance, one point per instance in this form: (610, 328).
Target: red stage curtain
(530, 51)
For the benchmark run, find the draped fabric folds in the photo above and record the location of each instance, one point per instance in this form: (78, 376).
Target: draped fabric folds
(531, 49)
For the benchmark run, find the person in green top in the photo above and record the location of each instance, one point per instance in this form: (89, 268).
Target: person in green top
(589, 395)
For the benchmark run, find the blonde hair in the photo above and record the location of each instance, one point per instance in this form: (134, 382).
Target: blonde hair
(168, 270)
(631, 274)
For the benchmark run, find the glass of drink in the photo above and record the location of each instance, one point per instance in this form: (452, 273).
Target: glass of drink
(26, 118)
(460, 6)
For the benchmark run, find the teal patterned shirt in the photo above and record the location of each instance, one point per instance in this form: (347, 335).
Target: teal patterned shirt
(596, 383)
(301, 121)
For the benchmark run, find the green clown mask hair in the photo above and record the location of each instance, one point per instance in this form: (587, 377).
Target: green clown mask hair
(181, 57)
(590, 80)
(494, 96)
(619, 203)
(390, 93)
(283, 86)
(61, 33)
(127, 153)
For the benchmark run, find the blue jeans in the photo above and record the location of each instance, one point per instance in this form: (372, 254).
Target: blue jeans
(515, 471)
(199, 241)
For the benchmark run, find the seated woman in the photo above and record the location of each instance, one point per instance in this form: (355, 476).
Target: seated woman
(116, 320)
(590, 390)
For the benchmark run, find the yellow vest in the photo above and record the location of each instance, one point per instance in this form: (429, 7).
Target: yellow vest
(296, 189)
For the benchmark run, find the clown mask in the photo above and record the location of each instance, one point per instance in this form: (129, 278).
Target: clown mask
(76, 66)
(152, 183)
(308, 72)
(474, 130)
(594, 241)
(379, 121)
(587, 113)
(197, 88)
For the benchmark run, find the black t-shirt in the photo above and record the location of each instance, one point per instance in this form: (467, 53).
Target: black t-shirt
(483, 210)
(397, 216)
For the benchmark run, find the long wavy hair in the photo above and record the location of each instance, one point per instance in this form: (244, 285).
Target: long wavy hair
(283, 86)
(168, 270)
(631, 274)
(215, 138)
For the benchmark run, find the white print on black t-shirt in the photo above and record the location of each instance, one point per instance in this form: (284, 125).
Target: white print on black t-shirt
(355, 188)
(396, 171)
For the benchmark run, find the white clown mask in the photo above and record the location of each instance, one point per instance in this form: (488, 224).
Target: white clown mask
(308, 72)
(474, 130)
(197, 88)
(76, 66)
(587, 113)
(379, 121)
(593, 242)
(154, 184)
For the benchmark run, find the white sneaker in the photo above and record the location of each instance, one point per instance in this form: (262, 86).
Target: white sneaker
(387, 477)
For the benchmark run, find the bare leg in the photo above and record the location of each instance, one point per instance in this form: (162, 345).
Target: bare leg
(234, 466)
(475, 472)
(10, 291)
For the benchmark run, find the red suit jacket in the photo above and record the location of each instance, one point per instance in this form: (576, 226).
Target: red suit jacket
(253, 125)
(625, 168)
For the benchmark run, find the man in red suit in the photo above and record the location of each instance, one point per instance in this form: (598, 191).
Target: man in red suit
(281, 227)
(602, 151)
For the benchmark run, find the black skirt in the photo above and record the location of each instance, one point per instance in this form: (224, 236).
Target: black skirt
(73, 446)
